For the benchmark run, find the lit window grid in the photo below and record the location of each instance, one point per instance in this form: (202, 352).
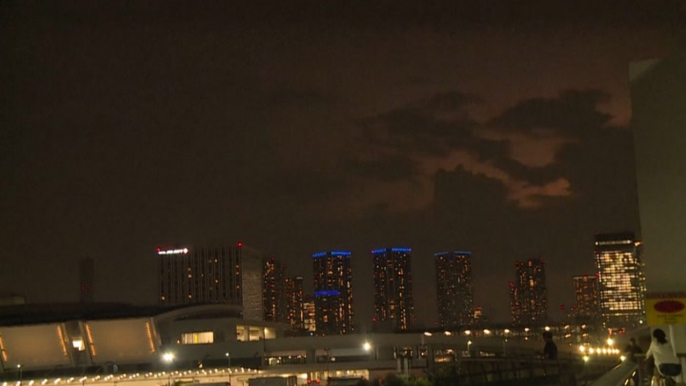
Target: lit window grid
(393, 287)
(454, 289)
(333, 272)
(621, 283)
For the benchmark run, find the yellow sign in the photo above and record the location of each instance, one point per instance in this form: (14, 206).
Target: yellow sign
(666, 308)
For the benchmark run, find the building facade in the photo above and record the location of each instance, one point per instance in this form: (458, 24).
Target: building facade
(587, 298)
(454, 289)
(274, 294)
(528, 293)
(393, 300)
(294, 302)
(309, 315)
(621, 282)
(333, 293)
(218, 274)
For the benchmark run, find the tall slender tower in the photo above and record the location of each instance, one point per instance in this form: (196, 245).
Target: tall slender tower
(219, 274)
(294, 302)
(274, 291)
(621, 280)
(333, 295)
(454, 288)
(528, 293)
(587, 295)
(393, 286)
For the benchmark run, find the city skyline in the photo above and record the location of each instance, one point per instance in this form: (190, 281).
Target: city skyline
(498, 129)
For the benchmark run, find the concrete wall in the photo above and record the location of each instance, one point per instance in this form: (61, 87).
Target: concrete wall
(658, 97)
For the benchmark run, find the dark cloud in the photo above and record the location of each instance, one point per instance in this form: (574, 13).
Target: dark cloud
(572, 115)
(391, 168)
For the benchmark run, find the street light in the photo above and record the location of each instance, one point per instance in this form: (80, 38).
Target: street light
(168, 357)
(21, 373)
(228, 358)
(367, 346)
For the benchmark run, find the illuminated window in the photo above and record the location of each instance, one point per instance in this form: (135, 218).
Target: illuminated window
(205, 337)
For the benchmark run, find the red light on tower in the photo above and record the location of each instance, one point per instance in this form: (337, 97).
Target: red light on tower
(158, 249)
(240, 244)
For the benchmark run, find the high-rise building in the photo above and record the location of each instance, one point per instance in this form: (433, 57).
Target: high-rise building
(220, 274)
(528, 293)
(86, 279)
(309, 315)
(587, 298)
(621, 281)
(393, 286)
(294, 302)
(274, 290)
(333, 293)
(454, 288)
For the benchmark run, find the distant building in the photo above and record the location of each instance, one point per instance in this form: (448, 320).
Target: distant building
(528, 294)
(86, 279)
(274, 291)
(479, 318)
(621, 281)
(455, 293)
(220, 274)
(333, 293)
(393, 286)
(309, 315)
(587, 299)
(294, 302)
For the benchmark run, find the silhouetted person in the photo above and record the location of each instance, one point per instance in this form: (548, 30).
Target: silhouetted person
(550, 348)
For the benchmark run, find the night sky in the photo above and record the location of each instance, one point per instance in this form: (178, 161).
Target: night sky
(303, 126)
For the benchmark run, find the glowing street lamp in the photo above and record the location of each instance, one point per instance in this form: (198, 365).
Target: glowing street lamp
(168, 357)
(367, 346)
(228, 358)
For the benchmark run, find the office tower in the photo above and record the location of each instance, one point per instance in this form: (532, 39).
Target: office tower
(274, 291)
(333, 293)
(86, 279)
(587, 299)
(528, 293)
(294, 302)
(220, 274)
(393, 286)
(621, 282)
(454, 289)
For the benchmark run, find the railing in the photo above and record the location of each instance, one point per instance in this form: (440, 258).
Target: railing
(524, 371)
(619, 375)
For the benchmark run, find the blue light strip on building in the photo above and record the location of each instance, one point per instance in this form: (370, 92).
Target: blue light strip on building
(327, 293)
(463, 252)
(319, 254)
(340, 253)
(380, 250)
(406, 250)
(441, 253)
